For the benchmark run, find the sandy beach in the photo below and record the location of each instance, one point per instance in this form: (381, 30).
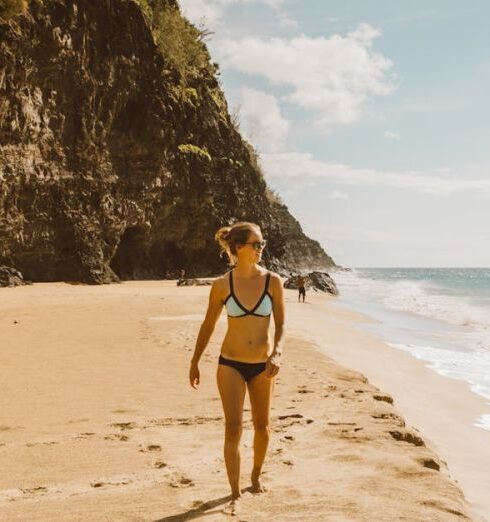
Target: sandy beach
(98, 421)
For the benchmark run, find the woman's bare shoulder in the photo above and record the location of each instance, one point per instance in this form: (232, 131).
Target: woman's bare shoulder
(221, 282)
(275, 278)
(275, 275)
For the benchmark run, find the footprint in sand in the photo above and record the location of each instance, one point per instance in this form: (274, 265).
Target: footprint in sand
(291, 416)
(295, 419)
(159, 464)
(124, 425)
(181, 482)
(31, 444)
(391, 417)
(116, 436)
(430, 463)
(200, 505)
(231, 509)
(407, 436)
(305, 390)
(385, 398)
(84, 435)
(30, 491)
(101, 484)
(152, 447)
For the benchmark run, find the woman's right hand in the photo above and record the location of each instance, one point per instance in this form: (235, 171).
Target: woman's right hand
(194, 376)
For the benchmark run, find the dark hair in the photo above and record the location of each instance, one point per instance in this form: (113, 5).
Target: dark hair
(237, 234)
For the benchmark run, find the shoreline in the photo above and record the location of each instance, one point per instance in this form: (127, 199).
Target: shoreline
(97, 396)
(442, 408)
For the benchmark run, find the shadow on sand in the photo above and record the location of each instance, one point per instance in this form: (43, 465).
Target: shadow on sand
(202, 510)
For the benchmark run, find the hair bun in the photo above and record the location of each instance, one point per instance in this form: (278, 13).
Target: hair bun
(228, 237)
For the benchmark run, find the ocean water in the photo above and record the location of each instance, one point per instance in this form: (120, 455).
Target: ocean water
(439, 315)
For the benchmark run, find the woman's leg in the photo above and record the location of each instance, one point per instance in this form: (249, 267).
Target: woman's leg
(260, 390)
(231, 386)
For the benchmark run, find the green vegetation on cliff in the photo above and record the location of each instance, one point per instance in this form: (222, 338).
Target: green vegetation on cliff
(188, 148)
(179, 41)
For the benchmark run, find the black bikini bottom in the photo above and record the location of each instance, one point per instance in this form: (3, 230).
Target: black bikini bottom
(248, 370)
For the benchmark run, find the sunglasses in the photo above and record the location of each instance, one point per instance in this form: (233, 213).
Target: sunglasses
(257, 245)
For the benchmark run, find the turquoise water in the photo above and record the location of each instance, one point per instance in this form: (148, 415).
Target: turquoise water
(439, 315)
(473, 283)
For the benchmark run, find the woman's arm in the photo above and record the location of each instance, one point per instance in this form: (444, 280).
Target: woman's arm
(278, 309)
(213, 312)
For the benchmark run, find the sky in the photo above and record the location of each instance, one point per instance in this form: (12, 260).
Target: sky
(371, 119)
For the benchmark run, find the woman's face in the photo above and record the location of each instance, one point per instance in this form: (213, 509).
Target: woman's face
(250, 252)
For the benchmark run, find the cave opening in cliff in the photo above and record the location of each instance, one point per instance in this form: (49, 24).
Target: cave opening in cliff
(129, 259)
(168, 258)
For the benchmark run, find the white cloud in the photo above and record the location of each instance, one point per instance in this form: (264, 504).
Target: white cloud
(211, 11)
(302, 167)
(337, 194)
(261, 119)
(390, 135)
(202, 10)
(334, 77)
(285, 21)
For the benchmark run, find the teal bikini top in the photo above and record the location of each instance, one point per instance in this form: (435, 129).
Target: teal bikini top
(263, 308)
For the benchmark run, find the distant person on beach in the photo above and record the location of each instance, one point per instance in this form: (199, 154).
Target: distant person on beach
(248, 359)
(301, 282)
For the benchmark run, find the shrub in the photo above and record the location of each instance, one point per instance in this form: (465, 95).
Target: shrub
(180, 42)
(273, 196)
(188, 148)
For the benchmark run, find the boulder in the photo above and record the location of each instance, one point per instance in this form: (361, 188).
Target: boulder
(11, 277)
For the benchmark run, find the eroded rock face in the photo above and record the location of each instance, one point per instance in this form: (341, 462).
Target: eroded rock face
(322, 281)
(317, 280)
(102, 170)
(11, 277)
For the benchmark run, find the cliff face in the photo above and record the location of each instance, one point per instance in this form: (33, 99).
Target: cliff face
(109, 166)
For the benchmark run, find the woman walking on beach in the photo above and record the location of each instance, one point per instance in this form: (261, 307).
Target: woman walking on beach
(248, 359)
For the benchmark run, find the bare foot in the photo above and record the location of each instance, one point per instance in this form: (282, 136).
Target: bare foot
(257, 486)
(231, 508)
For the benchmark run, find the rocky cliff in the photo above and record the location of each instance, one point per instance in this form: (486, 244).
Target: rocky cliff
(112, 165)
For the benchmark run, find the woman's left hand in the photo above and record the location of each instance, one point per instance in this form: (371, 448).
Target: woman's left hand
(272, 365)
